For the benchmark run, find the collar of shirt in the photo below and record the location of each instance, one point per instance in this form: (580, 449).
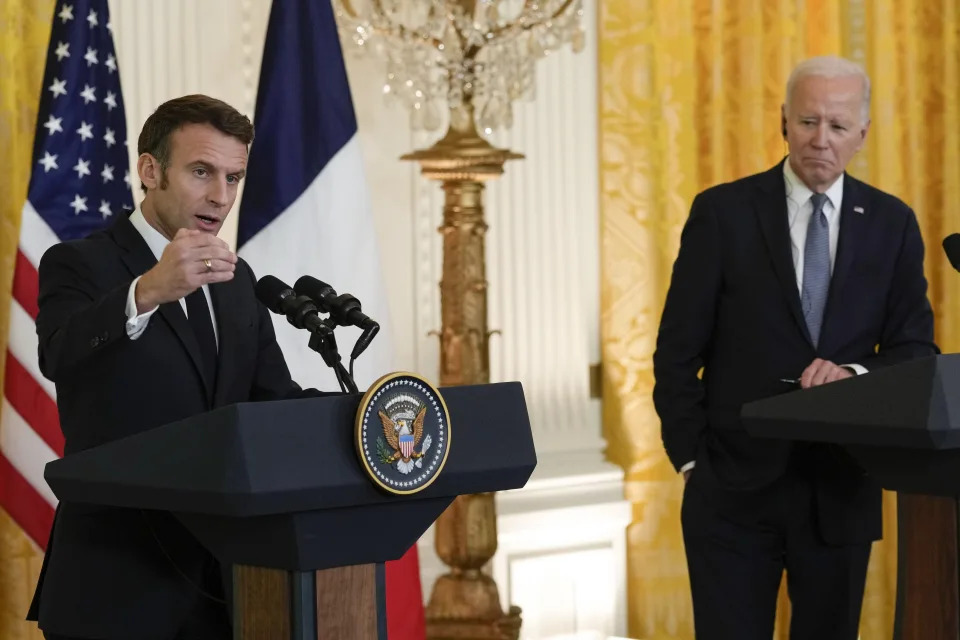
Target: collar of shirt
(798, 195)
(154, 239)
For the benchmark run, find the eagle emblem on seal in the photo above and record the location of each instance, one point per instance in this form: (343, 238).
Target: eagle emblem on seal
(402, 419)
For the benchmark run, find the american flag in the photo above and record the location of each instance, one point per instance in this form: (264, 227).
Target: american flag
(79, 182)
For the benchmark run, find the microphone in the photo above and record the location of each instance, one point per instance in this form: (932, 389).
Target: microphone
(344, 309)
(951, 246)
(301, 312)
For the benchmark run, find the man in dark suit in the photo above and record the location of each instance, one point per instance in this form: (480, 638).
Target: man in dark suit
(148, 322)
(800, 272)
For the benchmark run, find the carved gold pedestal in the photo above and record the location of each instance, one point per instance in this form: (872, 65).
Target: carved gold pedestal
(465, 603)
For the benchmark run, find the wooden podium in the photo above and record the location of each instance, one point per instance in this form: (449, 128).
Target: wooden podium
(276, 490)
(901, 424)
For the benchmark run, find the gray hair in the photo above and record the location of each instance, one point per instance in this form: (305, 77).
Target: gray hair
(832, 67)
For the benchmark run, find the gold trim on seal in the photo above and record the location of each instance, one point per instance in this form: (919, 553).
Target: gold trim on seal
(358, 430)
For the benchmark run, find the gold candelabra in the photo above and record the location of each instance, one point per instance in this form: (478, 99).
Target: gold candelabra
(465, 603)
(477, 57)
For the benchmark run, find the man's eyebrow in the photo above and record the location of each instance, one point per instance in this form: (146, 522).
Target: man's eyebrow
(211, 167)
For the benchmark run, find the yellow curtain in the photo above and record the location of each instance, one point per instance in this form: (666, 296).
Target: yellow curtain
(24, 33)
(690, 94)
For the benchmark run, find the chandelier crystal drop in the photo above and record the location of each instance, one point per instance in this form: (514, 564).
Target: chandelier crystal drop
(477, 54)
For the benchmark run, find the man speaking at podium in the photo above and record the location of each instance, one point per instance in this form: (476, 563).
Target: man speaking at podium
(148, 322)
(798, 276)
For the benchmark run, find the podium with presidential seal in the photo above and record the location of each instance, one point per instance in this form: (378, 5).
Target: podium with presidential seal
(306, 499)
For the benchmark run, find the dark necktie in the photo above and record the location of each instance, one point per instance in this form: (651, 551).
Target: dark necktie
(816, 268)
(198, 314)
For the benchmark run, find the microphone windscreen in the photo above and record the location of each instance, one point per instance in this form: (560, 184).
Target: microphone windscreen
(271, 291)
(316, 290)
(951, 246)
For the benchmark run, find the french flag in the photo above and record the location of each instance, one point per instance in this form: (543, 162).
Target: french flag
(306, 211)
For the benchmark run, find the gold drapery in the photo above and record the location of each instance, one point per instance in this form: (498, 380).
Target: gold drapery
(24, 33)
(690, 94)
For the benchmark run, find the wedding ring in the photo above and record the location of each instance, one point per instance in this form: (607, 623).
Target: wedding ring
(208, 264)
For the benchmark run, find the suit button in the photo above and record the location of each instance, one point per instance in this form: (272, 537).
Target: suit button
(104, 336)
(94, 342)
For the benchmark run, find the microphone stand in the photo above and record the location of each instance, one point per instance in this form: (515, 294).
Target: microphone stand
(323, 342)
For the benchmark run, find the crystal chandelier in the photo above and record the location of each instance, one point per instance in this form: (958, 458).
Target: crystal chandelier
(476, 56)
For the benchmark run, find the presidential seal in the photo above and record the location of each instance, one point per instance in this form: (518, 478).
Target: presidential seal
(403, 433)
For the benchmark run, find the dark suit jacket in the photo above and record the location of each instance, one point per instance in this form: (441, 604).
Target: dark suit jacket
(733, 308)
(109, 573)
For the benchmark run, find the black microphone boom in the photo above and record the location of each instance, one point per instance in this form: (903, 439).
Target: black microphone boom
(300, 311)
(344, 309)
(951, 246)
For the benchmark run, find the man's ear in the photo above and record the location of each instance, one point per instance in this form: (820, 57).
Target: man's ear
(863, 134)
(148, 168)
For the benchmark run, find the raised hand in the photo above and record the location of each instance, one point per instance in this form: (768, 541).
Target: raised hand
(192, 259)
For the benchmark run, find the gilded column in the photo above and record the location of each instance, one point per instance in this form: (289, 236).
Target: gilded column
(465, 602)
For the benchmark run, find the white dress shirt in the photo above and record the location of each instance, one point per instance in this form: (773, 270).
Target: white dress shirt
(136, 324)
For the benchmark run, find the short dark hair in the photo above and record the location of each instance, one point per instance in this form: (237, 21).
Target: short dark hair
(193, 109)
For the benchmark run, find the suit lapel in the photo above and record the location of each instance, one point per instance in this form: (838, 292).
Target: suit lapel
(771, 209)
(138, 258)
(134, 250)
(854, 218)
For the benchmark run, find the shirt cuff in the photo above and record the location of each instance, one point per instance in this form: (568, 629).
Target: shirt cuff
(858, 369)
(688, 466)
(136, 324)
